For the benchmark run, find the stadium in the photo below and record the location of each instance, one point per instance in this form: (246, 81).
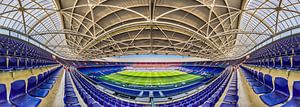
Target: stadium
(149, 53)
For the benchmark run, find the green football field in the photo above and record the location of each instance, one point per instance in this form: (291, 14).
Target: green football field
(147, 78)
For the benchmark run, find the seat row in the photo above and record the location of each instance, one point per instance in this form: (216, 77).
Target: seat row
(231, 98)
(100, 71)
(207, 97)
(199, 70)
(18, 48)
(284, 53)
(94, 97)
(222, 64)
(215, 97)
(275, 52)
(186, 88)
(284, 47)
(37, 88)
(272, 95)
(70, 98)
(18, 63)
(281, 62)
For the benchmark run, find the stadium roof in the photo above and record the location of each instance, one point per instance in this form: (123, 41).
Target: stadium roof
(93, 29)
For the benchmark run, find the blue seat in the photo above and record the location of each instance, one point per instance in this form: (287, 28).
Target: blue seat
(277, 62)
(279, 95)
(286, 62)
(261, 77)
(258, 81)
(267, 87)
(290, 51)
(3, 64)
(34, 63)
(271, 63)
(70, 100)
(145, 94)
(19, 97)
(10, 51)
(156, 94)
(295, 101)
(13, 62)
(69, 89)
(207, 104)
(89, 100)
(95, 105)
(231, 98)
(73, 105)
(297, 50)
(70, 93)
(2, 51)
(263, 63)
(33, 90)
(296, 61)
(3, 97)
(267, 62)
(51, 79)
(255, 82)
(228, 105)
(41, 83)
(29, 63)
(248, 74)
(22, 64)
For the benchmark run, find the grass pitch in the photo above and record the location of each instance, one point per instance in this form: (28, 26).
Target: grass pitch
(147, 78)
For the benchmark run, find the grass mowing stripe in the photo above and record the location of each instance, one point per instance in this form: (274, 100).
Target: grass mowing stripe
(151, 73)
(151, 78)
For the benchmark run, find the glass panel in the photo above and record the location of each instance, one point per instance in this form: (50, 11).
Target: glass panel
(3, 31)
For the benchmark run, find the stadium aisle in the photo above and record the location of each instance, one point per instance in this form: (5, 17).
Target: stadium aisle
(55, 96)
(247, 96)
